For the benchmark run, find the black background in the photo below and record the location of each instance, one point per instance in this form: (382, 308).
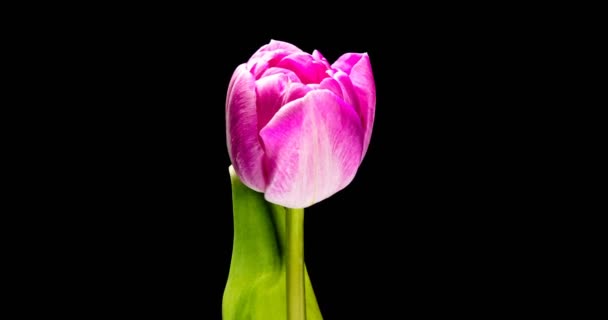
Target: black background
(432, 224)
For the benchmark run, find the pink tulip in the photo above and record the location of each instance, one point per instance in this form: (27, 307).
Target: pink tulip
(298, 127)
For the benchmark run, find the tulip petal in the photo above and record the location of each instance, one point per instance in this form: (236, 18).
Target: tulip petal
(305, 66)
(359, 70)
(244, 147)
(319, 57)
(346, 62)
(332, 85)
(276, 45)
(348, 90)
(274, 70)
(270, 92)
(313, 149)
(268, 56)
(295, 91)
(275, 90)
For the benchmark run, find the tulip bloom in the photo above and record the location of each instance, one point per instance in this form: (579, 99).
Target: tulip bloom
(298, 127)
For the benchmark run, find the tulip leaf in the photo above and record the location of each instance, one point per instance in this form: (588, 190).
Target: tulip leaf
(256, 286)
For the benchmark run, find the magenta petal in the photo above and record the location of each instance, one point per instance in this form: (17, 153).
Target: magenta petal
(348, 90)
(361, 87)
(274, 70)
(363, 80)
(244, 147)
(268, 55)
(346, 62)
(269, 91)
(305, 66)
(274, 90)
(332, 85)
(313, 149)
(295, 91)
(276, 45)
(319, 57)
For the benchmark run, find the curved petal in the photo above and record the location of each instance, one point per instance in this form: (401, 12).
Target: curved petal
(359, 70)
(346, 62)
(268, 56)
(295, 91)
(348, 90)
(313, 149)
(276, 45)
(269, 92)
(331, 85)
(275, 70)
(244, 147)
(308, 69)
(319, 57)
(363, 80)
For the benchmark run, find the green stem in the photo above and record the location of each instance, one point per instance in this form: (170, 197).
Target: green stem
(296, 297)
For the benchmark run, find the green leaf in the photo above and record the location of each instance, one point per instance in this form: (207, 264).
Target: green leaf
(256, 287)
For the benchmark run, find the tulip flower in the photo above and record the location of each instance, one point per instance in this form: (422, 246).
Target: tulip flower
(298, 127)
(297, 130)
